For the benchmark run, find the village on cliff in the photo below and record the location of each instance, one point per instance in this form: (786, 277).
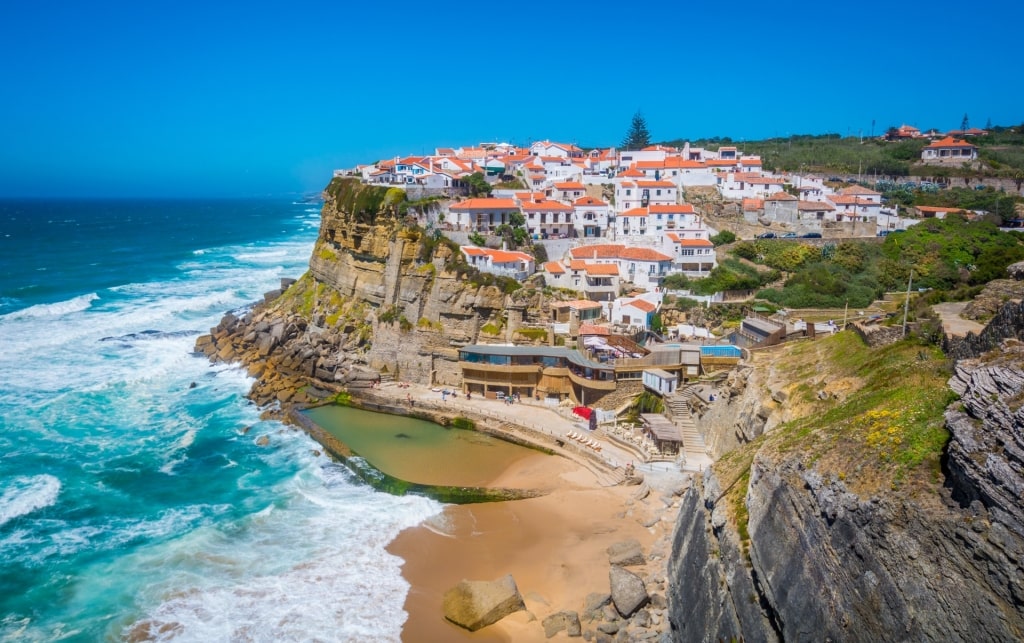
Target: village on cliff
(614, 224)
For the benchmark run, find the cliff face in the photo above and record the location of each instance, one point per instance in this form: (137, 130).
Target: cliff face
(776, 545)
(381, 295)
(420, 311)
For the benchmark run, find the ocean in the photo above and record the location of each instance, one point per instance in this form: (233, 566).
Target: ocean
(134, 500)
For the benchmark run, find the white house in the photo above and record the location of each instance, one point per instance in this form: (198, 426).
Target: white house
(590, 217)
(515, 264)
(644, 267)
(481, 214)
(694, 255)
(568, 191)
(548, 218)
(949, 150)
(634, 313)
(657, 192)
(563, 150)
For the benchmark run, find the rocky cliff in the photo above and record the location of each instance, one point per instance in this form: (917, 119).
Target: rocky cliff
(382, 295)
(859, 520)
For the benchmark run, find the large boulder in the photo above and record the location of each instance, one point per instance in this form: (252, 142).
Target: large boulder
(626, 553)
(628, 591)
(477, 604)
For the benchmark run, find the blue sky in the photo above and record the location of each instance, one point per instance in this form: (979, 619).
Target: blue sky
(160, 98)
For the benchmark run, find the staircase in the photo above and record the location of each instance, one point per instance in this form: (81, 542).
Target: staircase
(677, 409)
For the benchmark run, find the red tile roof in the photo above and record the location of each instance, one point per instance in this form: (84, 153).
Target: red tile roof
(591, 329)
(589, 200)
(555, 268)
(546, 206)
(656, 184)
(485, 204)
(642, 304)
(682, 208)
(570, 185)
(949, 141)
(859, 189)
(782, 196)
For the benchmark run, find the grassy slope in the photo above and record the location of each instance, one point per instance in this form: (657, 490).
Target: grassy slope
(881, 429)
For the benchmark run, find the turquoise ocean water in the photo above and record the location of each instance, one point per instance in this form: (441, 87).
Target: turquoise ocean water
(134, 504)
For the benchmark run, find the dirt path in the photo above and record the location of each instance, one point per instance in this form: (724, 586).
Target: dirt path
(952, 323)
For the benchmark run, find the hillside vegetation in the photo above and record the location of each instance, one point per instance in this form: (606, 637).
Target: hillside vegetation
(944, 254)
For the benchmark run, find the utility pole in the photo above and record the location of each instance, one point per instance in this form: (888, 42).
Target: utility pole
(906, 304)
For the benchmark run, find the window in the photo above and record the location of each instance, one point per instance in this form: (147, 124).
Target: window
(651, 269)
(629, 192)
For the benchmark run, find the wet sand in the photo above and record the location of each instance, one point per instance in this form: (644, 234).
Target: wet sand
(554, 546)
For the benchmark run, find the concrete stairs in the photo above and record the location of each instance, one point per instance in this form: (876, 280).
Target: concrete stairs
(677, 409)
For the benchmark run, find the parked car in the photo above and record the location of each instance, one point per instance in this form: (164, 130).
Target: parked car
(766, 235)
(788, 235)
(979, 187)
(883, 233)
(811, 235)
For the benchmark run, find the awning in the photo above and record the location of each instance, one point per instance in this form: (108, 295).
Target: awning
(583, 412)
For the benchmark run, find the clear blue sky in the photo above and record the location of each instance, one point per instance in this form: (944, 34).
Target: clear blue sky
(229, 98)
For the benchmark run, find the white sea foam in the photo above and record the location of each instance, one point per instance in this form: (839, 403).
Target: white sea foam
(262, 582)
(23, 495)
(58, 309)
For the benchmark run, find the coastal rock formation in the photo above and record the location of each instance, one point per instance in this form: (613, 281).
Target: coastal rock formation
(628, 591)
(568, 622)
(382, 296)
(777, 550)
(477, 604)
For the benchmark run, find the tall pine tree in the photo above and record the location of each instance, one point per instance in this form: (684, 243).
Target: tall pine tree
(637, 137)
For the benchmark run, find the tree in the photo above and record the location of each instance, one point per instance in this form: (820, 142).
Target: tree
(478, 185)
(964, 124)
(637, 137)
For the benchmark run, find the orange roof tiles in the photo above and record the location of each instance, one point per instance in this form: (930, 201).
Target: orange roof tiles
(632, 172)
(843, 199)
(782, 196)
(642, 304)
(608, 269)
(643, 254)
(681, 208)
(656, 184)
(812, 206)
(753, 204)
(589, 200)
(949, 141)
(570, 185)
(938, 208)
(546, 206)
(555, 268)
(485, 204)
(859, 189)
(508, 256)
(591, 329)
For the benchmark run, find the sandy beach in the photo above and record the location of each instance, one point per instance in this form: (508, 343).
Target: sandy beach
(554, 546)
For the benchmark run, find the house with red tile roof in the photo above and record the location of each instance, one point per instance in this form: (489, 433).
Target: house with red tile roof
(949, 150)
(590, 217)
(634, 313)
(483, 214)
(508, 263)
(568, 190)
(744, 185)
(693, 251)
(549, 148)
(546, 218)
(643, 266)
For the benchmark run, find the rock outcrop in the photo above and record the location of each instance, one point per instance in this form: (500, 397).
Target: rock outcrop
(477, 604)
(812, 558)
